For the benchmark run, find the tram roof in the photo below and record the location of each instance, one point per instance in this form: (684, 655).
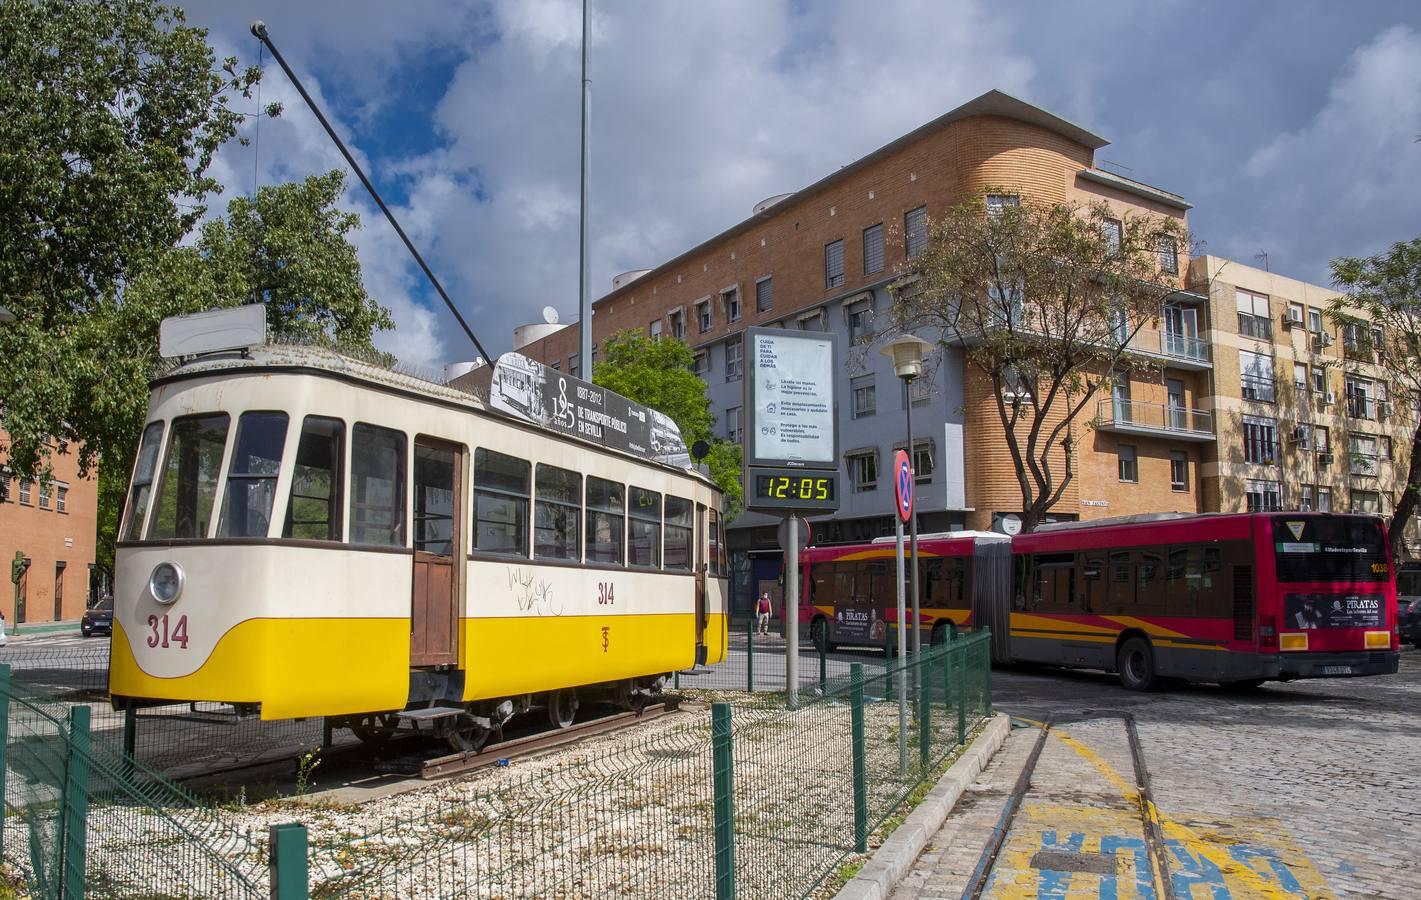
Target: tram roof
(409, 380)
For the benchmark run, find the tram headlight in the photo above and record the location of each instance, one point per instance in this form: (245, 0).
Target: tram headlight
(166, 582)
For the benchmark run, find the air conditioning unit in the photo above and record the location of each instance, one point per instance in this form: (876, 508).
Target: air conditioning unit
(1326, 339)
(1324, 459)
(1292, 318)
(1330, 399)
(1300, 434)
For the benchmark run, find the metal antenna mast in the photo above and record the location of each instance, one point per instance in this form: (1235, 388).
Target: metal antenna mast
(259, 31)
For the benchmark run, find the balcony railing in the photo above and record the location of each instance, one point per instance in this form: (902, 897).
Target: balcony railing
(1360, 406)
(1257, 327)
(1154, 418)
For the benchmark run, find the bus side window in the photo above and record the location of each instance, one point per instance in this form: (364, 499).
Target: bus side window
(1148, 581)
(1054, 584)
(1122, 585)
(931, 583)
(1213, 599)
(1018, 580)
(957, 581)
(1092, 582)
(1181, 581)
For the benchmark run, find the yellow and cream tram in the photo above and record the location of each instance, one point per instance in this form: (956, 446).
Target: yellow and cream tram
(310, 535)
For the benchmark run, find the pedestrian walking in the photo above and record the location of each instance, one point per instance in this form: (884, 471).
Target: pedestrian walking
(763, 608)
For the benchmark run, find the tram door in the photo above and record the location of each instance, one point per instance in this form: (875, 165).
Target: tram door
(701, 543)
(434, 606)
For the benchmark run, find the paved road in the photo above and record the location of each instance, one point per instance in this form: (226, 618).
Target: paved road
(1309, 789)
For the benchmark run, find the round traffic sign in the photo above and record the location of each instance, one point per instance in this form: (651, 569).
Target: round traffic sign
(903, 485)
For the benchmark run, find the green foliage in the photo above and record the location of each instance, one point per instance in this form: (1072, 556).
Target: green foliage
(1035, 296)
(658, 374)
(1382, 302)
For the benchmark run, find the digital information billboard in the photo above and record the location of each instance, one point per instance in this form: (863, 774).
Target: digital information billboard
(792, 426)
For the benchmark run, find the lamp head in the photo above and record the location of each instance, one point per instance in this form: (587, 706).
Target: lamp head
(907, 352)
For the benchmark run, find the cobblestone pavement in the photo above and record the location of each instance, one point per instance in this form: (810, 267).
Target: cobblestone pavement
(1309, 789)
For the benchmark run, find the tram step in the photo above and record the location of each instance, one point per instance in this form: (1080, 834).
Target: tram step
(430, 712)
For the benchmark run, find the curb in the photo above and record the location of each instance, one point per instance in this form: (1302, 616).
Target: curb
(891, 861)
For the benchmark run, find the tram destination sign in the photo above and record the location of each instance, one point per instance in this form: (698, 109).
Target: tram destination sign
(791, 422)
(526, 389)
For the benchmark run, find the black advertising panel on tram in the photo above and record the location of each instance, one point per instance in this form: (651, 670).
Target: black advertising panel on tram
(793, 489)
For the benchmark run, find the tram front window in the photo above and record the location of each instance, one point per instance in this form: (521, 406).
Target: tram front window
(251, 476)
(189, 484)
(142, 486)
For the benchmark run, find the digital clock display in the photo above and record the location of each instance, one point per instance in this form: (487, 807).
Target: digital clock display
(794, 489)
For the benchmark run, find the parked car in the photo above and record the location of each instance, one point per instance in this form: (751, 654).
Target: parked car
(98, 619)
(1408, 603)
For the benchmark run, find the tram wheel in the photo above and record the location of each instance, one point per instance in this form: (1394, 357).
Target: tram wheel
(468, 740)
(1136, 663)
(562, 707)
(376, 729)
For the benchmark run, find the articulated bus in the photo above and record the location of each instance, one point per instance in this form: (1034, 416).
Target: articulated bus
(1228, 598)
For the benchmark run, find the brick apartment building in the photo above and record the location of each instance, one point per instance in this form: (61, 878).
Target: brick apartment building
(823, 258)
(54, 524)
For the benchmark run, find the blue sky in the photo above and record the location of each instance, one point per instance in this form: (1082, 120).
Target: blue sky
(1290, 125)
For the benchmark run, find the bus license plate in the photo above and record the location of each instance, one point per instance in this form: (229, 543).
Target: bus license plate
(1337, 670)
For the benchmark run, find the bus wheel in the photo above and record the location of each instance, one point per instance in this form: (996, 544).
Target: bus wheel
(1136, 663)
(942, 632)
(562, 707)
(819, 634)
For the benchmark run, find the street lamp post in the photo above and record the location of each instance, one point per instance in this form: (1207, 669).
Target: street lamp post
(907, 355)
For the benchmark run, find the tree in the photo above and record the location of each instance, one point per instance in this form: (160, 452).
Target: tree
(658, 374)
(1043, 301)
(288, 247)
(110, 114)
(1380, 314)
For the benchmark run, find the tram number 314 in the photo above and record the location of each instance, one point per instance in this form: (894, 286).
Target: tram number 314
(604, 593)
(160, 636)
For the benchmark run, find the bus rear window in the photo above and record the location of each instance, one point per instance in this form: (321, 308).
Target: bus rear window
(1328, 548)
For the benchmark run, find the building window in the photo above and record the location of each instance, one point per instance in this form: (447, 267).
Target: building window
(703, 315)
(1320, 438)
(1260, 440)
(1112, 231)
(678, 324)
(1263, 495)
(44, 493)
(863, 471)
(860, 321)
(1319, 380)
(655, 329)
(833, 264)
(25, 488)
(922, 462)
(1362, 450)
(873, 249)
(1359, 397)
(1168, 254)
(1129, 466)
(574, 367)
(865, 396)
(1253, 319)
(998, 202)
(764, 294)
(732, 425)
(1324, 499)
(701, 364)
(1305, 498)
(1302, 435)
(4, 487)
(1315, 320)
(1256, 376)
(915, 230)
(812, 321)
(734, 350)
(920, 390)
(731, 300)
(1178, 470)
(1300, 377)
(1366, 502)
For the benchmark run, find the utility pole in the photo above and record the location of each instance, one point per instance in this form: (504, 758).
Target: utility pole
(584, 296)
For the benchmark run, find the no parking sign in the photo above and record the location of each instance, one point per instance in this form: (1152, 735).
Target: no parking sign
(903, 484)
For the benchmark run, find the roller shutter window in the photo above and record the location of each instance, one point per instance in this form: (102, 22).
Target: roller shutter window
(915, 230)
(764, 294)
(873, 249)
(833, 264)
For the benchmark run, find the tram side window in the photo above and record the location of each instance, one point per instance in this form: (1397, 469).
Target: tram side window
(679, 533)
(251, 476)
(557, 514)
(606, 520)
(644, 546)
(500, 503)
(313, 509)
(142, 487)
(188, 487)
(435, 480)
(1054, 582)
(377, 486)
(713, 535)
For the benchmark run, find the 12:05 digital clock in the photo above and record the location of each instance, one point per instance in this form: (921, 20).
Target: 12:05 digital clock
(794, 489)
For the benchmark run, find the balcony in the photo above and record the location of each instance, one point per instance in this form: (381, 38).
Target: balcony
(1154, 420)
(1176, 350)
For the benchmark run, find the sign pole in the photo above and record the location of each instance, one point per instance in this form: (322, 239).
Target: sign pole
(902, 655)
(790, 610)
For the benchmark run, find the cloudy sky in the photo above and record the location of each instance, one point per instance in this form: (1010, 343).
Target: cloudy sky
(1292, 125)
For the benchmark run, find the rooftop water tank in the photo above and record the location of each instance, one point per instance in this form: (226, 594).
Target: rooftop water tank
(627, 277)
(767, 203)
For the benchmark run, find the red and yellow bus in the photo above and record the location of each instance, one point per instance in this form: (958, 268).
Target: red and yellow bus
(1229, 598)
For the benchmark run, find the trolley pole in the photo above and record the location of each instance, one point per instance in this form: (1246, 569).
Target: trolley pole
(790, 608)
(902, 655)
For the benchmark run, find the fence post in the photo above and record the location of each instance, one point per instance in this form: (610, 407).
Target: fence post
(860, 762)
(288, 865)
(74, 806)
(961, 676)
(987, 669)
(723, 761)
(4, 740)
(921, 671)
(824, 663)
(750, 658)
